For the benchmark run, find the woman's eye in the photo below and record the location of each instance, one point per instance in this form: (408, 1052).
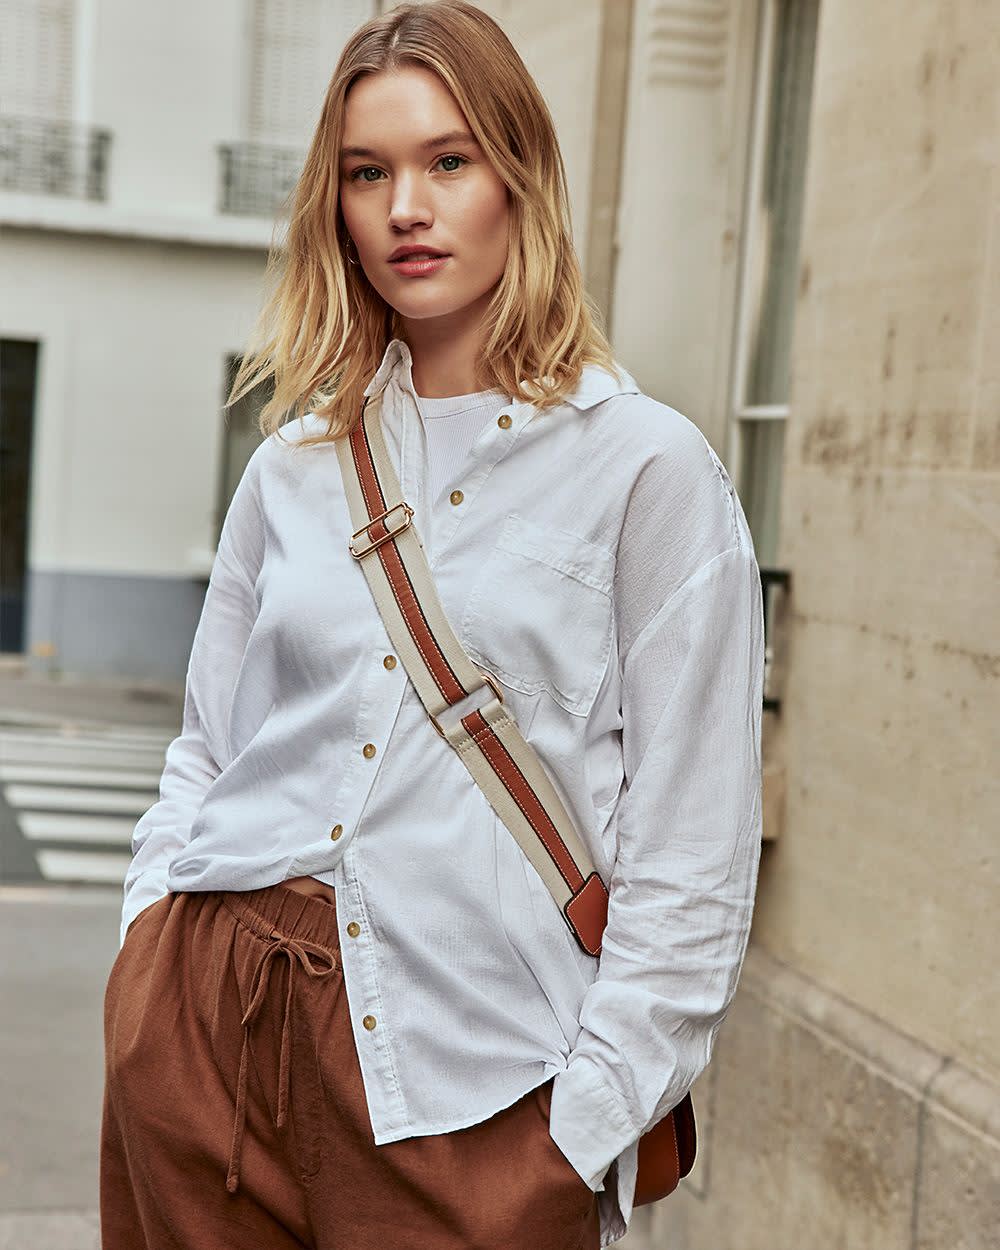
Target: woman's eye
(356, 176)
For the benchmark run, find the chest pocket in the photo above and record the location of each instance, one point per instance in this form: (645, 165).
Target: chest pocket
(539, 613)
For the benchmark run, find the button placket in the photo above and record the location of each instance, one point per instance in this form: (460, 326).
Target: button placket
(360, 969)
(379, 705)
(492, 445)
(389, 663)
(374, 1028)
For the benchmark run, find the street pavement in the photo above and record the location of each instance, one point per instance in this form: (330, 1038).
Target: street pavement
(79, 763)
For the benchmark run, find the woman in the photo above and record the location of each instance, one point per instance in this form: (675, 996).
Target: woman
(346, 1010)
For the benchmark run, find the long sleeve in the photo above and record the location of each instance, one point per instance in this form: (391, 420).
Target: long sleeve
(198, 754)
(689, 821)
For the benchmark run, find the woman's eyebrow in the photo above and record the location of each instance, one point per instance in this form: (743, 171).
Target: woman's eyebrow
(439, 141)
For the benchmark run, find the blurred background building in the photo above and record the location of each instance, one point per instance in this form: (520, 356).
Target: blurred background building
(788, 211)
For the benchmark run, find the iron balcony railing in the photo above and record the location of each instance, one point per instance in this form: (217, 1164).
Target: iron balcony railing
(47, 157)
(256, 179)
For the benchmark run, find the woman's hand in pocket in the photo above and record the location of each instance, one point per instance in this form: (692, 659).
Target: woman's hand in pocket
(138, 916)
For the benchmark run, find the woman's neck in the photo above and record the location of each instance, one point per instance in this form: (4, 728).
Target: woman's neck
(445, 351)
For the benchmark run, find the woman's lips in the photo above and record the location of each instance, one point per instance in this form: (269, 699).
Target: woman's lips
(411, 267)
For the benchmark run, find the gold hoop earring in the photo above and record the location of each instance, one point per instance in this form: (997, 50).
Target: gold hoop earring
(347, 252)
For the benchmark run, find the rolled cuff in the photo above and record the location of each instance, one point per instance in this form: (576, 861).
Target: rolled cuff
(586, 1122)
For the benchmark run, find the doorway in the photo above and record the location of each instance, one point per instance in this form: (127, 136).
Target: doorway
(18, 387)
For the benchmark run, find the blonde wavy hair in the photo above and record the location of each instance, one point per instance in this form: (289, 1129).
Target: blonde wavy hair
(323, 330)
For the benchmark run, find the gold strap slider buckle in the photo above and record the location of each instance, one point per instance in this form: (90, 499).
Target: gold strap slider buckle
(391, 529)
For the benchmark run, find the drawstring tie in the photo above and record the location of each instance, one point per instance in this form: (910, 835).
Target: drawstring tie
(294, 949)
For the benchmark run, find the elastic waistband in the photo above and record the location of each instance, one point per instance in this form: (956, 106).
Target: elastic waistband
(290, 912)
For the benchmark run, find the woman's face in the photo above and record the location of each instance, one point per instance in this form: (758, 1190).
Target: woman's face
(411, 186)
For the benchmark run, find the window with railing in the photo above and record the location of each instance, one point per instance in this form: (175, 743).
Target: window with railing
(256, 179)
(42, 157)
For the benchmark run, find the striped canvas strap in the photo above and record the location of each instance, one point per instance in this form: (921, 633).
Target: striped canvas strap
(464, 702)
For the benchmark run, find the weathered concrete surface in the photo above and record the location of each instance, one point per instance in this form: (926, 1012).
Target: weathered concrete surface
(822, 1127)
(885, 883)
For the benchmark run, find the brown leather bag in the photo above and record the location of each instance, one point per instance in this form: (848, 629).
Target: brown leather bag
(486, 737)
(666, 1153)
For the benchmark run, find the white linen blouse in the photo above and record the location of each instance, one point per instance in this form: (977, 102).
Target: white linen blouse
(597, 560)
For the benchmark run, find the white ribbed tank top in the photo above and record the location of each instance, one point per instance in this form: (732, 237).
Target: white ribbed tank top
(452, 425)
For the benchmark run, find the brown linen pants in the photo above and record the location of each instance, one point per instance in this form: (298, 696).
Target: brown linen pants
(235, 1114)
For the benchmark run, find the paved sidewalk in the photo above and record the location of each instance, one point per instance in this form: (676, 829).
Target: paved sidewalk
(30, 698)
(57, 945)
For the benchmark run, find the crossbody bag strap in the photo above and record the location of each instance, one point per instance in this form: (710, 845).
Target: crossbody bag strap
(464, 702)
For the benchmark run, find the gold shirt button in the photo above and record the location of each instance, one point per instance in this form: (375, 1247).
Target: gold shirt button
(336, 831)
(369, 750)
(369, 1022)
(456, 496)
(503, 421)
(389, 661)
(354, 928)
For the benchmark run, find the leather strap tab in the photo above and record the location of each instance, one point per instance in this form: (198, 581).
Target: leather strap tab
(587, 911)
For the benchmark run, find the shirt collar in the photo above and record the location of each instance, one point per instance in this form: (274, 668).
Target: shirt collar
(595, 384)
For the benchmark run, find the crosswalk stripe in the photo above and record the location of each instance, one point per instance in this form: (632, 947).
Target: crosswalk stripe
(104, 830)
(73, 795)
(148, 781)
(70, 733)
(53, 752)
(102, 866)
(64, 799)
(145, 780)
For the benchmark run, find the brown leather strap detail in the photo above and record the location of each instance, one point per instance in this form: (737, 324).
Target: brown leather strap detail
(395, 570)
(587, 910)
(588, 913)
(523, 795)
